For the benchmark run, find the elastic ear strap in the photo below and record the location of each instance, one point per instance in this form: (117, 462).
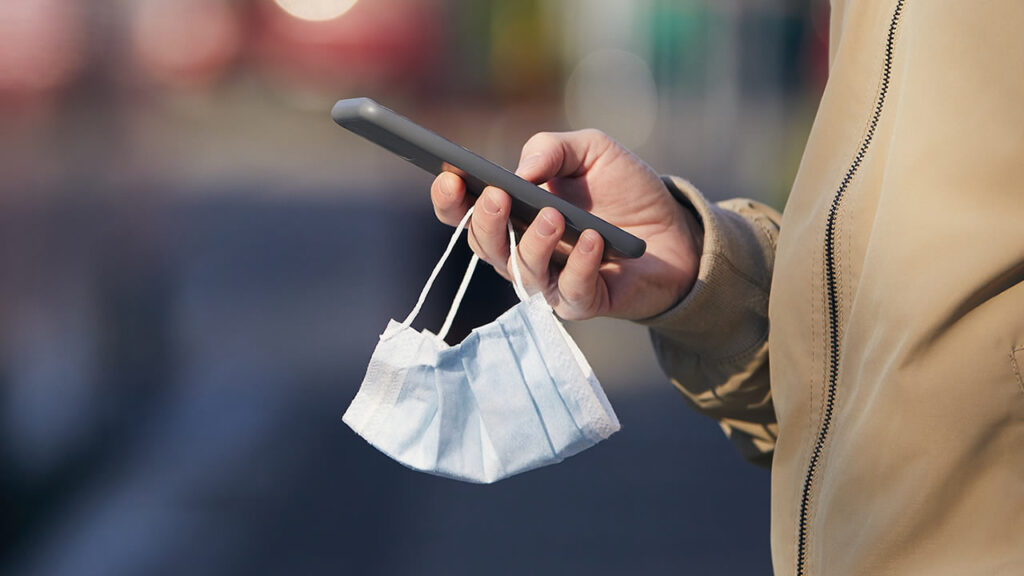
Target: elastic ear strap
(514, 258)
(437, 269)
(518, 284)
(458, 297)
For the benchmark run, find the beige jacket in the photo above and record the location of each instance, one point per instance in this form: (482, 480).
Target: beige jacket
(894, 419)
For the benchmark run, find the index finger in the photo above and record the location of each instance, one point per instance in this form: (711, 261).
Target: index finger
(448, 194)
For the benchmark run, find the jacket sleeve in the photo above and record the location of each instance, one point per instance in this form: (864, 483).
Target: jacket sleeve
(713, 344)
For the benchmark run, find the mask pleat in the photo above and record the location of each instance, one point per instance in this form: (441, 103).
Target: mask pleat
(562, 431)
(460, 442)
(588, 411)
(507, 411)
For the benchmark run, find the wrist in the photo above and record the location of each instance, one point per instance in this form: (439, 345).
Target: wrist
(695, 225)
(691, 230)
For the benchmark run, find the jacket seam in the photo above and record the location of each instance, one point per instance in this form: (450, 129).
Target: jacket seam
(1015, 365)
(767, 231)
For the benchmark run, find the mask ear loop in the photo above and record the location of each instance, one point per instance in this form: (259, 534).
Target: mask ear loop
(517, 277)
(517, 284)
(437, 270)
(458, 297)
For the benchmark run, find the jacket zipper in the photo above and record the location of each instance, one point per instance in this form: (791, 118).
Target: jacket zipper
(832, 288)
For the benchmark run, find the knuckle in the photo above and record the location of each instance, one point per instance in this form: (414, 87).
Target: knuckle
(541, 142)
(600, 139)
(495, 263)
(477, 242)
(495, 244)
(575, 293)
(571, 313)
(481, 226)
(529, 261)
(540, 138)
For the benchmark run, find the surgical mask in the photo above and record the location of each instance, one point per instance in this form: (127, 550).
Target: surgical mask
(515, 395)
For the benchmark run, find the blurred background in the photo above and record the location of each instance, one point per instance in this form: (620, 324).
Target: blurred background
(195, 264)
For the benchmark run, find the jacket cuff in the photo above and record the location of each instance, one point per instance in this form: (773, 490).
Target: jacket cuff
(724, 317)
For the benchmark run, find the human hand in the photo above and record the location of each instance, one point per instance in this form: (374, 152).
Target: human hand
(594, 172)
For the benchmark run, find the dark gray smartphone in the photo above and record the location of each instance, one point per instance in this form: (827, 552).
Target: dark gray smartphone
(435, 154)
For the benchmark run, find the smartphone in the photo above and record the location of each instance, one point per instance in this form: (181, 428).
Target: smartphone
(435, 154)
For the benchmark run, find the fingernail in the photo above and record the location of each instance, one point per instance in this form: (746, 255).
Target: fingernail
(544, 226)
(587, 243)
(527, 163)
(446, 188)
(490, 206)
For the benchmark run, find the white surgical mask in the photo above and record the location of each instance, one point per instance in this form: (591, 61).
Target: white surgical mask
(516, 394)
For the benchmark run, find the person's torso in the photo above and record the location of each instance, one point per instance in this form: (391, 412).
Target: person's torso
(897, 306)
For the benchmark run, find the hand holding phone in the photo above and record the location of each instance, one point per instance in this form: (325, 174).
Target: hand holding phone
(435, 154)
(587, 168)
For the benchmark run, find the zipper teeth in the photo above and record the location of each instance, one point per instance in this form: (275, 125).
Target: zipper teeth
(833, 297)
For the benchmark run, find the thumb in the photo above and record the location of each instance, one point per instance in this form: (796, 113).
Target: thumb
(550, 154)
(536, 167)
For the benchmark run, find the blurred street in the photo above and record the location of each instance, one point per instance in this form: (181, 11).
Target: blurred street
(196, 263)
(209, 439)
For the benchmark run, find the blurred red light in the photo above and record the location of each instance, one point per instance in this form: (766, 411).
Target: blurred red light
(386, 41)
(41, 45)
(185, 42)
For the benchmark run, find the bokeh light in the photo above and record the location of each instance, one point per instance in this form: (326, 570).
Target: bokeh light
(212, 29)
(40, 45)
(315, 10)
(614, 91)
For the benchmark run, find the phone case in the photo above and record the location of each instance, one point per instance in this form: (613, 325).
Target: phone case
(436, 154)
